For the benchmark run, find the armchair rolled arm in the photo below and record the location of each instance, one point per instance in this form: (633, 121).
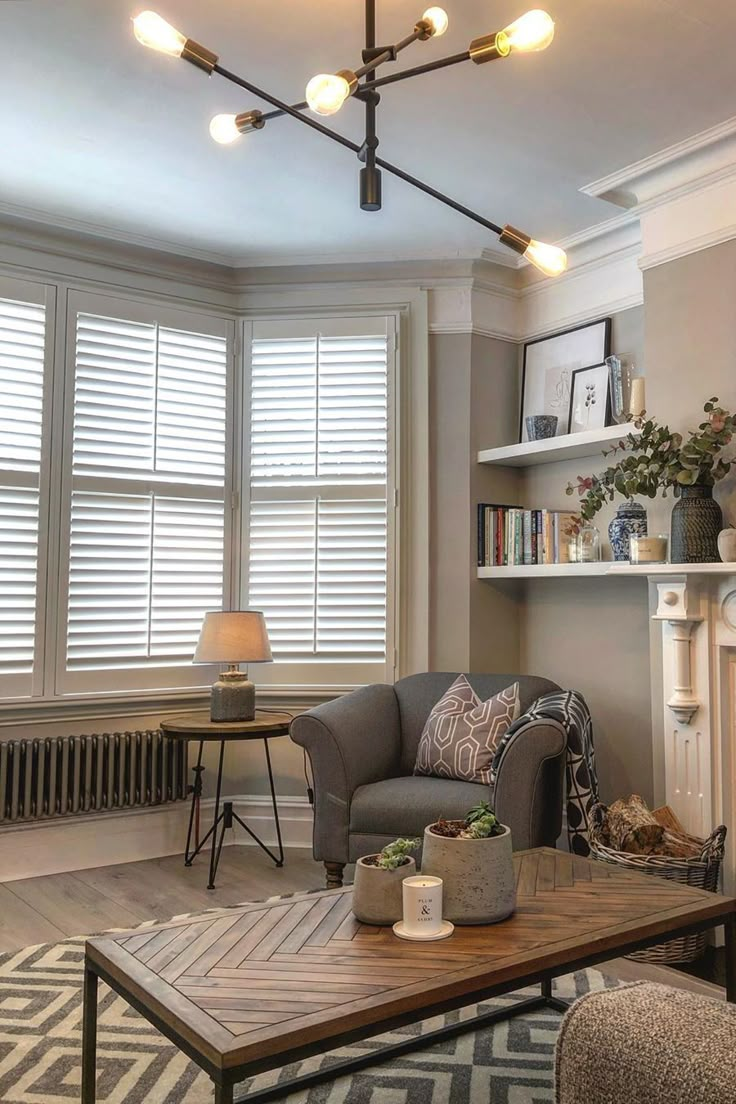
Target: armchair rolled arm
(351, 742)
(530, 783)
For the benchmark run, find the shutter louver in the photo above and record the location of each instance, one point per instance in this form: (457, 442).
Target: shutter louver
(283, 411)
(22, 342)
(318, 515)
(18, 570)
(147, 514)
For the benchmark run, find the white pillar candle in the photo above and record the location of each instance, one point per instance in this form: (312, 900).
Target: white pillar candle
(637, 402)
(422, 900)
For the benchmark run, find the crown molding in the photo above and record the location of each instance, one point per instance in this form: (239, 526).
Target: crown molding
(53, 223)
(689, 165)
(684, 196)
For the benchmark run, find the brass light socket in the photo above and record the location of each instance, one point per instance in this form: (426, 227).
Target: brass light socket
(489, 48)
(249, 120)
(424, 29)
(350, 77)
(515, 239)
(199, 55)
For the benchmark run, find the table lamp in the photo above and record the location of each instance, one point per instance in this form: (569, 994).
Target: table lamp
(233, 638)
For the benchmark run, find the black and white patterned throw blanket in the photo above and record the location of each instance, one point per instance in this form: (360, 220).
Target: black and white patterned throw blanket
(571, 710)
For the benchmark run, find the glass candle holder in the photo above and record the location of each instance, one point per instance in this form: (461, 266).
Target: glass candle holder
(628, 397)
(648, 550)
(588, 545)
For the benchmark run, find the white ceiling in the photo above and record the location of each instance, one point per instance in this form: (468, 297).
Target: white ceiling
(96, 130)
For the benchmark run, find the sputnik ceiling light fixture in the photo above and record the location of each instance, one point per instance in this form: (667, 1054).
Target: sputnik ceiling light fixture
(327, 92)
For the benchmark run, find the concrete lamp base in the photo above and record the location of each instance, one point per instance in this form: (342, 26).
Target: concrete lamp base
(233, 697)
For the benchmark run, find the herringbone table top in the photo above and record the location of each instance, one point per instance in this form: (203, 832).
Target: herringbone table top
(264, 979)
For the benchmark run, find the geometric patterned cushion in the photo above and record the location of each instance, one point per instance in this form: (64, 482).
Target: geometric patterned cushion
(462, 732)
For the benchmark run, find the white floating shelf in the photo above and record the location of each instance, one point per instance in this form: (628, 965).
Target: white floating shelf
(672, 569)
(542, 571)
(614, 570)
(568, 447)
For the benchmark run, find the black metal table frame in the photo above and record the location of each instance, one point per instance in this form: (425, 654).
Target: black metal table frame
(225, 1079)
(227, 815)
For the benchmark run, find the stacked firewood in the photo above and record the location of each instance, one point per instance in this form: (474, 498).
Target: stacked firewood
(630, 825)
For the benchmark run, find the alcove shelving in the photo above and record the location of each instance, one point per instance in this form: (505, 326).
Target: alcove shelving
(554, 449)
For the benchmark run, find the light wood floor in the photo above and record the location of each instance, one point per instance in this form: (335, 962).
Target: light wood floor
(48, 909)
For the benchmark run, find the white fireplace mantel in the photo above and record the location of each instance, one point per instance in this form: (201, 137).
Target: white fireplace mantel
(694, 694)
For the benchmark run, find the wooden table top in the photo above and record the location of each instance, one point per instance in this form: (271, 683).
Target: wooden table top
(261, 981)
(193, 726)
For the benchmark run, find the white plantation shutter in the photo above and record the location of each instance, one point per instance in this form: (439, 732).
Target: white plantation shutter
(320, 466)
(22, 345)
(147, 490)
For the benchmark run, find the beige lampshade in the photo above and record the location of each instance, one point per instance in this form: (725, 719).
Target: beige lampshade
(233, 638)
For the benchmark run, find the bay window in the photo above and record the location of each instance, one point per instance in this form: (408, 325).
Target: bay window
(154, 475)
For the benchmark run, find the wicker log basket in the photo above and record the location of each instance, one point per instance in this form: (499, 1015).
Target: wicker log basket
(701, 873)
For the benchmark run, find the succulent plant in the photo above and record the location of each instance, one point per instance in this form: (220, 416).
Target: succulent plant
(395, 854)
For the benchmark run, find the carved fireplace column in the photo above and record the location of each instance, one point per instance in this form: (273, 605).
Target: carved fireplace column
(695, 702)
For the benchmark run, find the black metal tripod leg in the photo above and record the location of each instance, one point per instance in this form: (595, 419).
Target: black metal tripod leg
(89, 1038)
(196, 794)
(275, 806)
(215, 856)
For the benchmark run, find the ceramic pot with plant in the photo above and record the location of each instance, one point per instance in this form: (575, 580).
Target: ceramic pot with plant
(655, 459)
(474, 859)
(377, 895)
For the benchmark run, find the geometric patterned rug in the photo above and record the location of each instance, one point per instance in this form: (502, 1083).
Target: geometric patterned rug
(41, 1033)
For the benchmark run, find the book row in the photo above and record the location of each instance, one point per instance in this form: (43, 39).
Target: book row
(513, 536)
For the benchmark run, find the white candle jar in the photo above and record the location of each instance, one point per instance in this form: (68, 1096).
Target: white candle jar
(422, 900)
(648, 550)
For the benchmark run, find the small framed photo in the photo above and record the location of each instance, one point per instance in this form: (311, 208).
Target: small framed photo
(549, 365)
(590, 399)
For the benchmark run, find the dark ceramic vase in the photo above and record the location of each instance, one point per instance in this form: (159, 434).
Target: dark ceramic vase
(630, 521)
(694, 527)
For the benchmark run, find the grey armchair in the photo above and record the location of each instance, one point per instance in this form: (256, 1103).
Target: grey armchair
(362, 749)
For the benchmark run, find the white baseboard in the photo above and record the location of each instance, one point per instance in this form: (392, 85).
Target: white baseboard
(106, 839)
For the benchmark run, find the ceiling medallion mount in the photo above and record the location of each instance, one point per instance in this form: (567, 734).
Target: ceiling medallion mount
(327, 92)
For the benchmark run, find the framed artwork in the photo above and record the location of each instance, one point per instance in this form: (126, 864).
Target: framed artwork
(549, 364)
(590, 399)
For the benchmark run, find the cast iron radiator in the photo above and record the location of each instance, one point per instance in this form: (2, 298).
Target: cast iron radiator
(63, 775)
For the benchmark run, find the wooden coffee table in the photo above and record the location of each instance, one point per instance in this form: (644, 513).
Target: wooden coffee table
(253, 988)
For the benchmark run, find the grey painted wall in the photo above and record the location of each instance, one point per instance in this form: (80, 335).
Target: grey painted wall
(473, 391)
(593, 634)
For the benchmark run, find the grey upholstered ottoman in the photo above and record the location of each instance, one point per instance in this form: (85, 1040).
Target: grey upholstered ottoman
(647, 1044)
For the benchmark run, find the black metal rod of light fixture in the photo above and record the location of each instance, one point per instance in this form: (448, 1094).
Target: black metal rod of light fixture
(286, 109)
(392, 78)
(389, 54)
(371, 197)
(417, 71)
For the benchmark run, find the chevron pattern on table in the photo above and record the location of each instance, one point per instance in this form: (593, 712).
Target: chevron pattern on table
(308, 960)
(40, 1048)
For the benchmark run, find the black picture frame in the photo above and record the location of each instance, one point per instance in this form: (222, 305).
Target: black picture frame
(594, 360)
(607, 418)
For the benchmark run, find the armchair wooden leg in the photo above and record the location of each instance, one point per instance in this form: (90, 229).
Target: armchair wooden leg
(333, 873)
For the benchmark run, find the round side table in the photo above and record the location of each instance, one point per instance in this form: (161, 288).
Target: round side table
(193, 727)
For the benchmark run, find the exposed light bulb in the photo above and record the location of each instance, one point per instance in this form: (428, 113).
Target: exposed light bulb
(224, 129)
(530, 32)
(549, 259)
(153, 31)
(438, 18)
(327, 92)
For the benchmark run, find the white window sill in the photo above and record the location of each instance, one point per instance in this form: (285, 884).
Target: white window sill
(152, 703)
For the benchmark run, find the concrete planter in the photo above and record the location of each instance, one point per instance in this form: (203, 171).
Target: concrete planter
(377, 892)
(478, 876)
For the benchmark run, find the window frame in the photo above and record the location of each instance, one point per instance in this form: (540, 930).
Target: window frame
(68, 684)
(332, 675)
(45, 295)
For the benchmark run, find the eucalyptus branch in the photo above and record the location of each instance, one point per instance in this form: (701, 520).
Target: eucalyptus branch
(654, 458)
